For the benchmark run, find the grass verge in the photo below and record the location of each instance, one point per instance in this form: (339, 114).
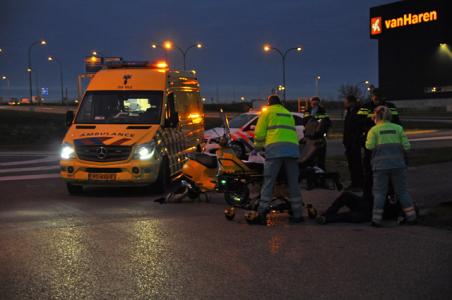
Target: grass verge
(30, 128)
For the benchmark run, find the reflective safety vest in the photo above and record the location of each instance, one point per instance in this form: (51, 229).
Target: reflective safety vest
(388, 143)
(368, 111)
(275, 125)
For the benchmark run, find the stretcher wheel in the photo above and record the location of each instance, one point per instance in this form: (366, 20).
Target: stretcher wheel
(251, 216)
(229, 213)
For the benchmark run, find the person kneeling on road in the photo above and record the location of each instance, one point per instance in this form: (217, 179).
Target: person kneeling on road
(275, 130)
(388, 143)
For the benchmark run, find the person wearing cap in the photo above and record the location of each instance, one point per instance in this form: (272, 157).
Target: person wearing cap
(366, 114)
(317, 113)
(388, 144)
(275, 131)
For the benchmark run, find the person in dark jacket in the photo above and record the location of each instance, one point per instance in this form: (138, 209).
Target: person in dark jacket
(351, 208)
(317, 113)
(352, 143)
(367, 114)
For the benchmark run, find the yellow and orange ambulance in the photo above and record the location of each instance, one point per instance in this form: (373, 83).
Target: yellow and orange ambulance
(134, 126)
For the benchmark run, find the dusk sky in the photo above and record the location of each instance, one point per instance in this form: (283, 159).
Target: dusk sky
(334, 35)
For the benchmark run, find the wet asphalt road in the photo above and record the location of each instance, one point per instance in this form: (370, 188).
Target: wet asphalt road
(121, 245)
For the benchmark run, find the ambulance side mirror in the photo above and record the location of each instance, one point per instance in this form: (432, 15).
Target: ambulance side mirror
(69, 118)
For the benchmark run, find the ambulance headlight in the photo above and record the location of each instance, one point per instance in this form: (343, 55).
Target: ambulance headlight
(67, 151)
(145, 151)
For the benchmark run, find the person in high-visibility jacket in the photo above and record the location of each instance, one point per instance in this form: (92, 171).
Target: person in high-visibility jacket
(367, 114)
(275, 131)
(388, 144)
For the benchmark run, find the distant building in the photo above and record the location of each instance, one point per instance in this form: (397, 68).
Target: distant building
(414, 51)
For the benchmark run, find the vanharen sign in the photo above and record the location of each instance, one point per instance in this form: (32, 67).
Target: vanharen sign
(377, 23)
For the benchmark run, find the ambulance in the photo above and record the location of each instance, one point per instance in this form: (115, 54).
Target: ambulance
(135, 126)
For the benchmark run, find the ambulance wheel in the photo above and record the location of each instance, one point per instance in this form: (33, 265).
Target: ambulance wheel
(74, 190)
(163, 180)
(238, 149)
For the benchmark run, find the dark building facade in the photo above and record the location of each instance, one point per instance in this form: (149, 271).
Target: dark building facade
(414, 49)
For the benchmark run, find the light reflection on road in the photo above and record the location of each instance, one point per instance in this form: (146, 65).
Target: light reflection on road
(69, 267)
(149, 254)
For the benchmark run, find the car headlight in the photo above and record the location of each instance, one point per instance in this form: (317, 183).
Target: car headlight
(145, 151)
(67, 151)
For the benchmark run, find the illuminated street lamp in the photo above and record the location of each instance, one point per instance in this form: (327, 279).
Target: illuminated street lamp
(29, 69)
(169, 45)
(268, 48)
(317, 85)
(52, 58)
(4, 78)
(242, 98)
(367, 85)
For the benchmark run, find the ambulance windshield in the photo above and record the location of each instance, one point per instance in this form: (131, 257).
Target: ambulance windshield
(121, 107)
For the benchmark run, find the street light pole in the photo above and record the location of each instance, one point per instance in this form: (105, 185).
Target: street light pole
(283, 55)
(367, 84)
(52, 58)
(168, 45)
(41, 42)
(317, 85)
(7, 82)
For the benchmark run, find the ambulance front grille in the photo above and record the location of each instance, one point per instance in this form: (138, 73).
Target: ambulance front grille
(103, 153)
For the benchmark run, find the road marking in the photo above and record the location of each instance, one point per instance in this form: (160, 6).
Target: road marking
(29, 177)
(434, 138)
(29, 162)
(30, 169)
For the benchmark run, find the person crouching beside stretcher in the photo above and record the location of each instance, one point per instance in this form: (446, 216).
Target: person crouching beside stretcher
(388, 143)
(275, 130)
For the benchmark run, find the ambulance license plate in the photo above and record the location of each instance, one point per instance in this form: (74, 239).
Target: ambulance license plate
(101, 176)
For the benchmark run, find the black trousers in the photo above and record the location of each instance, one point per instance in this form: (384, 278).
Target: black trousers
(360, 209)
(321, 155)
(355, 167)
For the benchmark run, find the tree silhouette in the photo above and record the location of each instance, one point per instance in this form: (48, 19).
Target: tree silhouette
(350, 89)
